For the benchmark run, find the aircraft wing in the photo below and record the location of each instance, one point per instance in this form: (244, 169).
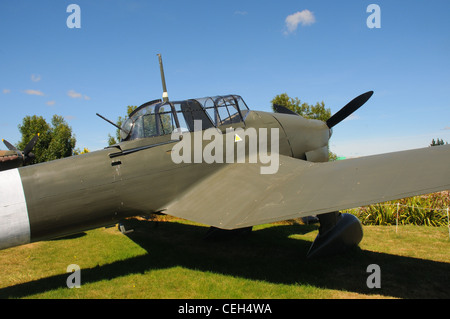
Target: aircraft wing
(238, 196)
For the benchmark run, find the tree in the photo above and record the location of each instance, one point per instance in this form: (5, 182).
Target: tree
(114, 140)
(316, 112)
(437, 142)
(55, 140)
(77, 151)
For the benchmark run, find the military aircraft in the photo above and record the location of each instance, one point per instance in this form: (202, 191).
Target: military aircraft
(14, 158)
(195, 159)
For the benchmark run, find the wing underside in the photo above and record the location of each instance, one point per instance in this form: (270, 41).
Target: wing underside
(239, 196)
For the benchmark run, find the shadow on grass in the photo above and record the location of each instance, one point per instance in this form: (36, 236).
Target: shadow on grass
(268, 255)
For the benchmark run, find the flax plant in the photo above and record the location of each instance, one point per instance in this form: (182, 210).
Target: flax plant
(427, 210)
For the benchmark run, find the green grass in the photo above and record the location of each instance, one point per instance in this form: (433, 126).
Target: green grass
(170, 259)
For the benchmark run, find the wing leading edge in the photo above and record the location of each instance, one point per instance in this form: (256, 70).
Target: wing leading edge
(239, 196)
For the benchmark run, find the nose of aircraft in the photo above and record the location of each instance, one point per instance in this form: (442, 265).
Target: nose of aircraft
(305, 135)
(309, 138)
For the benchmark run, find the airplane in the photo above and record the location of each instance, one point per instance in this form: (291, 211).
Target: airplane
(14, 158)
(163, 165)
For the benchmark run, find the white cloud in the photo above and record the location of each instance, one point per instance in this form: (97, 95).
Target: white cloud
(35, 77)
(6, 91)
(76, 95)
(240, 13)
(304, 18)
(50, 103)
(34, 92)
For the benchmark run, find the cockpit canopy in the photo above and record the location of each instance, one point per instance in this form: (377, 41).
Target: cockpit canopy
(156, 118)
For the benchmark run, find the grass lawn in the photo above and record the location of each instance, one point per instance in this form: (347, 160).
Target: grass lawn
(170, 259)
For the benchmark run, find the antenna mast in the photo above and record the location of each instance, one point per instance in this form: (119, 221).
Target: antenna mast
(163, 80)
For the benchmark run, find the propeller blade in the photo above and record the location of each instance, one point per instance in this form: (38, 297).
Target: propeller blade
(9, 145)
(283, 109)
(30, 145)
(12, 148)
(351, 107)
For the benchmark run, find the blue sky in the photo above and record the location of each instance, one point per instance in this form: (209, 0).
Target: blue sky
(327, 53)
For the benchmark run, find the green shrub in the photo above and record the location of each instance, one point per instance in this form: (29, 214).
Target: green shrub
(428, 210)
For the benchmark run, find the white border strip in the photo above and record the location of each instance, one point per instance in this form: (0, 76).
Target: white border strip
(14, 222)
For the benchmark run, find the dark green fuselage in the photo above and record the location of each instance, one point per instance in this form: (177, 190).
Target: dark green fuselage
(137, 177)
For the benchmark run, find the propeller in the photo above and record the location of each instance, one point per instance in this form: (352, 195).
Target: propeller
(351, 107)
(26, 155)
(341, 115)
